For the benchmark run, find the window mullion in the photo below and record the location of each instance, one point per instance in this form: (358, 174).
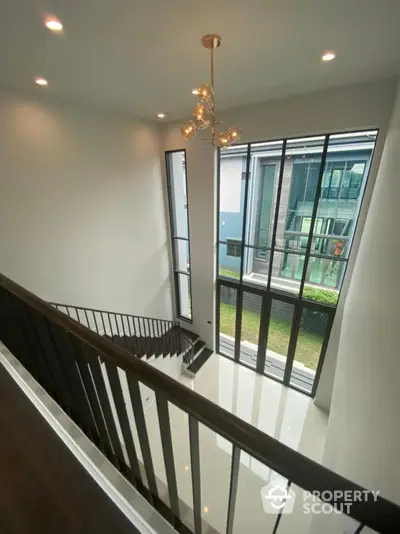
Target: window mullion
(314, 215)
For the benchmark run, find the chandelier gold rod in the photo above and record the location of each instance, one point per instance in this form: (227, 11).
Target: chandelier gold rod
(213, 126)
(205, 110)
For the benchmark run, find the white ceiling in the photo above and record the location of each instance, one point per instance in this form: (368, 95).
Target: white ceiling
(145, 56)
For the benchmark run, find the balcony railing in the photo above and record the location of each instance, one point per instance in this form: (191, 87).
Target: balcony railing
(73, 364)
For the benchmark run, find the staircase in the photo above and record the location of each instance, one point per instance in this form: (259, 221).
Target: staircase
(96, 383)
(147, 338)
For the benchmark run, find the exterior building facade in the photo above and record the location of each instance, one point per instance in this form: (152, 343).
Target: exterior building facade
(347, 165)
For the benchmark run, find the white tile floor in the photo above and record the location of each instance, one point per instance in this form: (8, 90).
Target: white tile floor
(286, 414)
(283, 413)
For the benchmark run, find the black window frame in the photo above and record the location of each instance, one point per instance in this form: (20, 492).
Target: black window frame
(175, 238)
(261, 256)
(268, 294)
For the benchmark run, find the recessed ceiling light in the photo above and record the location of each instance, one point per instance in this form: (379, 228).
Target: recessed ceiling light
(41, 81)
(328, 56)
(160, 115)
(53, 24)
(205, 509)
(186, 468)
(195, 92)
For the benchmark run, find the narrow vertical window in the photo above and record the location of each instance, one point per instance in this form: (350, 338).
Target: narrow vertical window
(178, 211)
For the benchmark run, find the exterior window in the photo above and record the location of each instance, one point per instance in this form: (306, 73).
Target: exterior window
(178, 210)
(265, 207)
(233, 248)
(287, 215)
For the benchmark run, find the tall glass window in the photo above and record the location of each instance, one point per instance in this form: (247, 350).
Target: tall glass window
(287, 215)
(178, 210)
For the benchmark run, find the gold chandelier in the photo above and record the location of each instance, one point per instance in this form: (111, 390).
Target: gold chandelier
(204, 112)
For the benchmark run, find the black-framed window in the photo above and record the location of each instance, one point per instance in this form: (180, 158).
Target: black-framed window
(292, 206)
(175, 161)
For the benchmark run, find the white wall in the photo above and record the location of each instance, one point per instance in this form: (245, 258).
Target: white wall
(82, 210)
(364, 105)
(363, 438)
(360, 106)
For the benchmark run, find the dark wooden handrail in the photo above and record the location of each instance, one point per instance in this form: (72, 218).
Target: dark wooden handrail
(383, 516)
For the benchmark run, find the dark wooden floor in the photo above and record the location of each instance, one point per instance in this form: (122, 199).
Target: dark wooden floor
(43, 488)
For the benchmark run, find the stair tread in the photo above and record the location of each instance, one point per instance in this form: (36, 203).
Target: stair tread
(198, 346)
(191, 335)
(141, 346)
(200, 360)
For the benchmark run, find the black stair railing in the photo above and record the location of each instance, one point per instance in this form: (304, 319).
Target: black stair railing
(66, 357)
(151, 335)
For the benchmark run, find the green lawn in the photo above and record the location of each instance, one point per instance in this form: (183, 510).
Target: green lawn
(308, 344)
(229, 273)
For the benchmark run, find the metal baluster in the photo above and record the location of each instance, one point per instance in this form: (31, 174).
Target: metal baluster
(123, 329)
(129, 325)
(104, 325)
(168, 454)
(80, 402)
(98, 378)
(87, 318)
(80, 352)
(122, 323)
(42, 356)
(279, 516)
(111, 328)
(133, 340)
(164, 338)
(119, 402)
(195, 465)
(77, 315)
(159, 335)
(176, 337)
(134, 326)
(12, 334)
(173, 339)
(95, 322)
(63, 395)
(154, 321)
(116, 324)
(157, 328)
(359, 528)
(148, 336)
(41, 328)
(137, 406)
(140, 343)
(41, 372)
(155, 345)
(233, 485)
